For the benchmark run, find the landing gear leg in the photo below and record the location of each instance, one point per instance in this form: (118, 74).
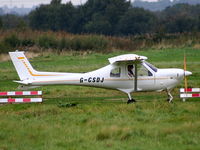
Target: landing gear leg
(130, 100)
(170, 97)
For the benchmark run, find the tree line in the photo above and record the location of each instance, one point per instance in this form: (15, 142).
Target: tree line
(107, 17)
(161, 4)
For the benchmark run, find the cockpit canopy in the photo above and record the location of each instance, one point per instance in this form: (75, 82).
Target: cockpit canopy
(128, 69)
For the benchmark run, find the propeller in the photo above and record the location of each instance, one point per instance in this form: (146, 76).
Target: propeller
(185, 70)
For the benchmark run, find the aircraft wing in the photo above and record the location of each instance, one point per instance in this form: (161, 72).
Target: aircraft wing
(126, 58)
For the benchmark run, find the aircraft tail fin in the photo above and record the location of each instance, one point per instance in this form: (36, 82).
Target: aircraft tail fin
(22, 65)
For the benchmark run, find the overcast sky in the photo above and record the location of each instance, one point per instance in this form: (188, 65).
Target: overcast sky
(30, 3)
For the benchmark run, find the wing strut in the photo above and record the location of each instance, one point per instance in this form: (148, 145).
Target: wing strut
(136, 77)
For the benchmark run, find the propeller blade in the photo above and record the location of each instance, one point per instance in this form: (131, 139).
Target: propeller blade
(185, 68)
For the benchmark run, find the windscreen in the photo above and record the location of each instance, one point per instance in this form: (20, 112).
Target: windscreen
(151, 66)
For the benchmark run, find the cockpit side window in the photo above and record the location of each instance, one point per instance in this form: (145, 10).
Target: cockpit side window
(116, 72)
(143, 71)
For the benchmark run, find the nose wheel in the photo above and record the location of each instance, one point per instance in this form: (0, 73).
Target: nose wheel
(130, 100)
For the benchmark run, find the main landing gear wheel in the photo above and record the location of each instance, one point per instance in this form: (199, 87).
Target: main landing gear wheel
(131, 101)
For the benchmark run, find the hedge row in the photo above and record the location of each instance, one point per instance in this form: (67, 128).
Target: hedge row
(61, 41)
(92, 42)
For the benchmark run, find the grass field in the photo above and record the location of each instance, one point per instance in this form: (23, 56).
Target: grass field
(101, 119)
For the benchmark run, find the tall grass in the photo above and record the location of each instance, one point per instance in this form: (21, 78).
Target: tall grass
(62, 41)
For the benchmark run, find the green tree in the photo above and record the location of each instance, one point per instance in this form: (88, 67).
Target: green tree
(101, 13)
(55, 2)
(1, 23)
(53, 17)
(137, 21)
(99, 24)
(180, 18)
(180, 23)
(66, 17)
(12, 21)
(111, 17)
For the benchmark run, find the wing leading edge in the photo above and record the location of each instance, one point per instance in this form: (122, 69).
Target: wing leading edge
(126, 58)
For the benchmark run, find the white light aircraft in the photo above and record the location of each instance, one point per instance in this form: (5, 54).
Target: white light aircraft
(127, 73)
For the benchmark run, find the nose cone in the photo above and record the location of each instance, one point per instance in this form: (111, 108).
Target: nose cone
(188, 73)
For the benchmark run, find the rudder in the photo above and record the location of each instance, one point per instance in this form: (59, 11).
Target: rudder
(22, 65)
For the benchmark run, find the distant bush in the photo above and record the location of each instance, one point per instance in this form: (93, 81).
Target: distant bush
(96, 42)
(83, 42)
(12, 40)
(47, 41)
(27, 42)
(91, 42)
(64, 43)
(4, 48)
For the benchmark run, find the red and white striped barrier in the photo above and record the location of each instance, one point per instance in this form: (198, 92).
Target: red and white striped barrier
(190, 90)
(189, 93)
(21, 100)
(18, 93)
